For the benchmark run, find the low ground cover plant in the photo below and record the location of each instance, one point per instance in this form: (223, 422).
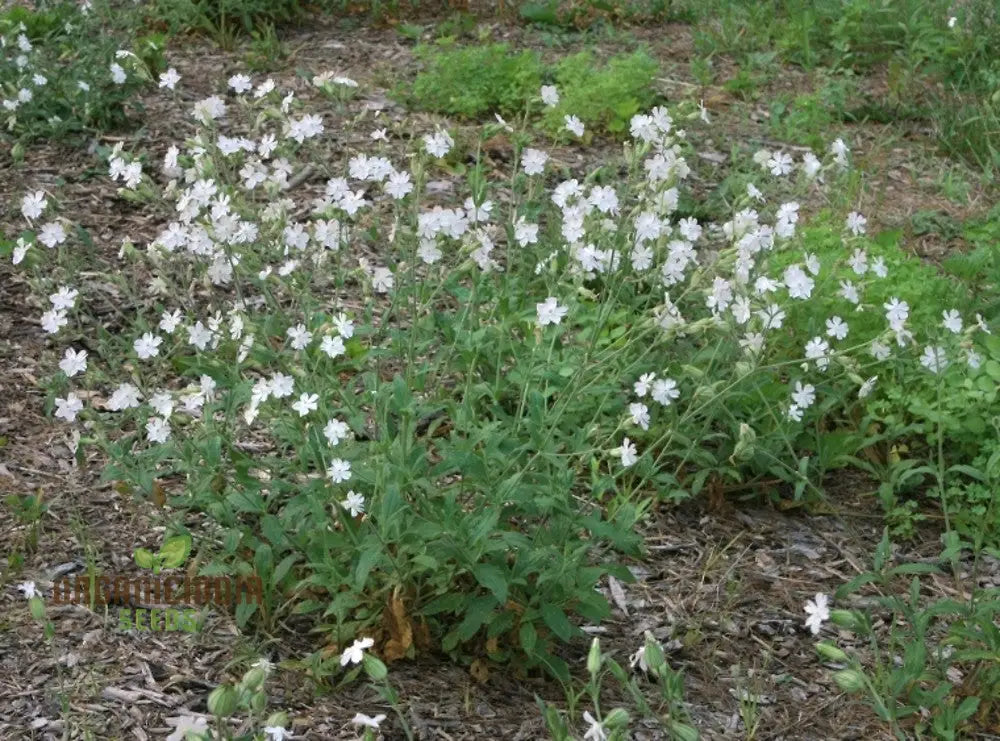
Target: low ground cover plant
(476, 81)
(52, 86)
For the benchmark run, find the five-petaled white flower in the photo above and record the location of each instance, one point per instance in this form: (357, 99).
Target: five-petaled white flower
(355, 503)
(574, 125)
(550, 312)
(818, 611)
(627, 452)
(169, 78)
(339, 470)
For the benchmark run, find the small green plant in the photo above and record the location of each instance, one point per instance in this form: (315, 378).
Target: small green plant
(171, 555)
(603, 97)
(475, 80)
(656, 692)
(64, 72)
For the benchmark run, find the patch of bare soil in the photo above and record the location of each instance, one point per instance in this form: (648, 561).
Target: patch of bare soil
(722, 589)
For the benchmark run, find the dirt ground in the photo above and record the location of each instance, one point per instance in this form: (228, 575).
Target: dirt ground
(723, 589)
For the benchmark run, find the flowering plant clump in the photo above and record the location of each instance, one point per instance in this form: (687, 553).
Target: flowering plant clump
(428, 420)
(52, 85)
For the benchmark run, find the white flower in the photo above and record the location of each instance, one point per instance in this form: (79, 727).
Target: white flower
(879, 351)
(799, 284)
(804, 396)
(276, 733)
(195, 724)
(641, 387)
(126, 396)
(856, 223)
(849, 292)
(118, 74)
(73, 362)
(335, 431)
(596, 731)
(33, 204)
(780, 164)
(816, 349)
(550, 96)
(973, 359)
(934, 359)
(879, 267)
(836, 328)
(438, 144)
(896, 313)
(158, 430)
(281, 385)
(550, 312)
(169, 78)
(355, 503)
(810, 165)
(27, 588)
(859, 262)
(360, 719)
(240, 84)
(639, 414)
(354, 653)
(339, 470)
(626, 452)
(952, 321)
(306, 403)
(69, 407)
(534, 161)
(147, 346)
(665, 391)
(794, 413)
(333, 346)
(818, 611)
(299, 336)
(574, 125)
(952, 21)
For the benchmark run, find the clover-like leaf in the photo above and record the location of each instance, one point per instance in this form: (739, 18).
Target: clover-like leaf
(175, 551)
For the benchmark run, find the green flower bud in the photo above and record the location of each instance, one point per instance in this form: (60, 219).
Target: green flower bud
(617, 718)
(594, 657)
(830, 652)
(849, 680)
(254, 678)
(222, 701)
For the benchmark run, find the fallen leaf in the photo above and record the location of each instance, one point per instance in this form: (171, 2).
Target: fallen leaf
(398, 626)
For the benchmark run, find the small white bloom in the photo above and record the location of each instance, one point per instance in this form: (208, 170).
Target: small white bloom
(355, 503)
(818, 611)
(354, 653)
(574, 125)
(339, 470)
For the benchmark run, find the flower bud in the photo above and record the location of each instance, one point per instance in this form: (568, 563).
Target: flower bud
(594, 657)
(254, 678)
(830, 652)
(617, 718)
(849, 680)
(222, 701)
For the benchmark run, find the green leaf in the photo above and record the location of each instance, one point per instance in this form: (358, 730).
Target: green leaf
(557, 621)
(143, 558)
(369, 557)
(374, 667)
(529, 638)
(491, 577)
(175, 551)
